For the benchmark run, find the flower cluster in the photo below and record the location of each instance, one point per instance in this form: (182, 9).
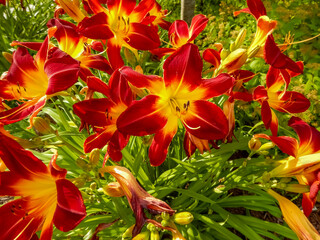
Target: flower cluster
(121, 101)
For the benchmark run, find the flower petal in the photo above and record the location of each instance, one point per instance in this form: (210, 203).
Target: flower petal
(269, 118)
(143, 117)
(292, 102)
(70, 209)
(117, 142)
(183, 68)
(178, 33)
(121, 7)
(98, 85)
(212, 56)
(309, 137)
(97, 140)
(142, 37)
(113, 51)
(11, 152)
(62, 73)
(159, 147)
(120, 92)
(198, 23)
(205, 120)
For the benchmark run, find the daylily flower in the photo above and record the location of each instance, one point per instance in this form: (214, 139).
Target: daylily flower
(180, 94)
(137, 197)
(280, 100)
(304, 162)
(180, 34)
(78, 47)
(34, 80)
(265, 26)
(47, 198)
(295, 219)
(71, 7)
(121, 25)
(156, 17)
(102, 114)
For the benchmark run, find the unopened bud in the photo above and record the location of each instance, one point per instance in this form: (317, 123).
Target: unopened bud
(142, 236)
(266, 146)
(151, 227)
(266, 177)
(165, 216)
(7, 56)
(235, 60)
(254, 51)
(219, 189)
(224, 53)
(240, 38)
(81, 163)
(41, 125)
(285, 180)
(183, 218)
(232, 47)
(264, 152)
(254, 144)
(164, 223)
(79, 182)
(93, 186)
(297, 188)
(128, 233)
(154, 235)
(94, 156)
(129, 56)
(113, 189)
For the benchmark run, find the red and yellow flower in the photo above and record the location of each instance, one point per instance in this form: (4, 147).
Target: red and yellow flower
(34, 80)
(102, 114)
(47, 198)
(180, 94)
(121, 25)
(304, 162)
(275, 96)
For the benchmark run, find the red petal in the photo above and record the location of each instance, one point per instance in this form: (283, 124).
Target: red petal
(141, 10)
(212, 56)
(183, 68)
(93, 111)
(307, 204)
(309, 136)
(142, 37)
(122, 7)
(198, 23)
(98, 85)
(292, 102)
(31, 45)
(276, 58)
(245, 10)
(95, 6)
(95, 61)
(205, 120)
(260, 93)
(11, 152)
(97, 140)
(143, 117)
(244, 96)
(120, 92)
(96, 27)
(256, 8)
(62, 73)
(243, 75)
(113, 51)
(216, 86)
(188, 145)
(70, 209)
(8, 181)
(178, 33)
(286, 144)
(140, 80)
(159, 147)
(160, 52)
(14, 226)
(23, 111)
(117, 142)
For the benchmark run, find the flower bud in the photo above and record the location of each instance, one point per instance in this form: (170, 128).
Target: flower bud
(254, 51)
(232, 47)
(142, 236)
(297, 188)
(151, 227)
(7, 56)
(266, 146)
(81, 163)
(240, 38)
(41, 125)
(224, 53)
(164, 223)
(113, 189)
(154, 235)
(235, 60)
(94, 156)
(128, 233)
(165, 216)
(254, 144)
(93, 186)
(183, 218)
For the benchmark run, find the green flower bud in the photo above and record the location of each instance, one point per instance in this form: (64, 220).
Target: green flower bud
(154, 235)
(183, 218)
(142, 236)
(165, 216)
(164, 223)
(94, 156)
(254, 144)
(240, 38)
(41, 126)
(93, 186)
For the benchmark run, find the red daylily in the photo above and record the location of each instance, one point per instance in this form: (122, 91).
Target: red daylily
(77, 46)
(47, 198)
(120, 24)
(138, 198)
(180, 94)
(282, 101)
(305, 160)
(71, 7)
(34, 80)
(180, 34)
(102, 114)
(156, 17)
